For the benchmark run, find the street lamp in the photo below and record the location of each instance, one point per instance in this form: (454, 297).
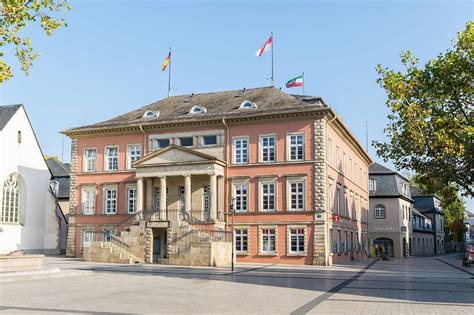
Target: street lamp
(232, 211)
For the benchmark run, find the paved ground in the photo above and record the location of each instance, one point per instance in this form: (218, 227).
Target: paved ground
(430, 285)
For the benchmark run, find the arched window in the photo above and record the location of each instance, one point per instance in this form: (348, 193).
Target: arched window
(151, 113)
(379, 212)
(197, 109)
(247, 104)
(11, 200)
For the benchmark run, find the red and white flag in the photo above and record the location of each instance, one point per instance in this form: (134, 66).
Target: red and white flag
(266, 47)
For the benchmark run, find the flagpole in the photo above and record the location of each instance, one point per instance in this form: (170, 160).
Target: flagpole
(303, 82)
(273, 78)
(169, 75)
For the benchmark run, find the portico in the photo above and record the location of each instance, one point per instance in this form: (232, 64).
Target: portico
(175, 183)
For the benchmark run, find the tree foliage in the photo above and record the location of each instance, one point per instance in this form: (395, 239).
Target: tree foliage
(14, 17)
(431, 129)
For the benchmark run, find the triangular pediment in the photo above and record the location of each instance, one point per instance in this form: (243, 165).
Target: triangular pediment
(173, 154)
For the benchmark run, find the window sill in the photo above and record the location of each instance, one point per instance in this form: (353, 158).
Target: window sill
(242, 253)
(268, 254)
(296, 254)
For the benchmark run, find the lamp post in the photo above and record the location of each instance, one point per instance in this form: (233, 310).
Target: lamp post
(232, 211)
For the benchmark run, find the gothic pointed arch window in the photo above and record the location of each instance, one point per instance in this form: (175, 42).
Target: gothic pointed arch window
(11, 200)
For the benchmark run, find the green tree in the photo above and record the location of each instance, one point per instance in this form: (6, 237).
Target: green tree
(14, 17)
(430, 127)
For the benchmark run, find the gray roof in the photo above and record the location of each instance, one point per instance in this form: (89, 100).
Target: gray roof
(175, 109)
(377, 168)
(6, 113)
(425, 203)
(60, 174)
(58, 169)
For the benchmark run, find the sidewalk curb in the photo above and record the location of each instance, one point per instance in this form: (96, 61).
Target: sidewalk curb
(42, 274)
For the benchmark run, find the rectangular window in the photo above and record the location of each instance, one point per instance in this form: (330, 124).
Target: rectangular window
(353, 216)
(350, 168)
(333, 241)
(329, 157)
(87, 238)
(268, 240)
(241, 240)
(346, 206)
(267, 148)
(159, 143)
(331, 196)
(341, 242)
(90, 160)
(111, 158)
(297, 196)
(296, 147)
(371, 184)
(241, 197)
(88, 200)
(338, 199)
(134, 153)
(346, 247)
(131, 199)
(297, 240)
(186, 141)
(209, 140)
(268, 196)
(338, 161)
(379, 212)
(110, 200)
(241, 152)
(344, 160)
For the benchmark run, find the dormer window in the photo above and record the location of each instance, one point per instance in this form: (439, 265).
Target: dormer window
(247, 104)
(151, 114)
(197, 109)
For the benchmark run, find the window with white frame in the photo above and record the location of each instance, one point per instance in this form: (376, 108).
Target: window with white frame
(353, 216)
(241, 153)
(134, 153)
(296, 146)
(90, 160)
(350, 168)
(241, 240)
(333, 241)
(267, 148)
(186, 141)
(329, 157)
(344, 160)
(296, 195)
(346, 240)
(88, 200)
(372, 184)
(268, 196)
(268, 240)
(379, 212)
(338, 161)
(331, 195)
(346, 207)
(10, 210)
(131, 199)
(159, 143)
(87, 238)
(241, 191)
(338, 199)
(110, 200)
(297, 240)
(111, 158)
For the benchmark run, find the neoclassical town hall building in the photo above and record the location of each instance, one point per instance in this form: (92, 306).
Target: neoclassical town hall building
(161, 178)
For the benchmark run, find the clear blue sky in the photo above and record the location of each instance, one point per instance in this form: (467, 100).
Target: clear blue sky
(107, 61)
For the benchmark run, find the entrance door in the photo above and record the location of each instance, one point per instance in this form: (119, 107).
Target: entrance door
(156, 248)
(385, 245)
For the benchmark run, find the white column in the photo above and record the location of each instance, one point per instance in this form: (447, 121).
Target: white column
(187, 194)
(163, 198)
(149, 193)
(139, 194)
(213, 197)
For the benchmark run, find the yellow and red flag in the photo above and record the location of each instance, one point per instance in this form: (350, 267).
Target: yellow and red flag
(167, 61)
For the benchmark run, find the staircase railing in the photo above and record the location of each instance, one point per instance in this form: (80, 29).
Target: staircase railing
(185, 240)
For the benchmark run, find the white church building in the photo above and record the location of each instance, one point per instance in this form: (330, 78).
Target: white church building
(29, 213)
